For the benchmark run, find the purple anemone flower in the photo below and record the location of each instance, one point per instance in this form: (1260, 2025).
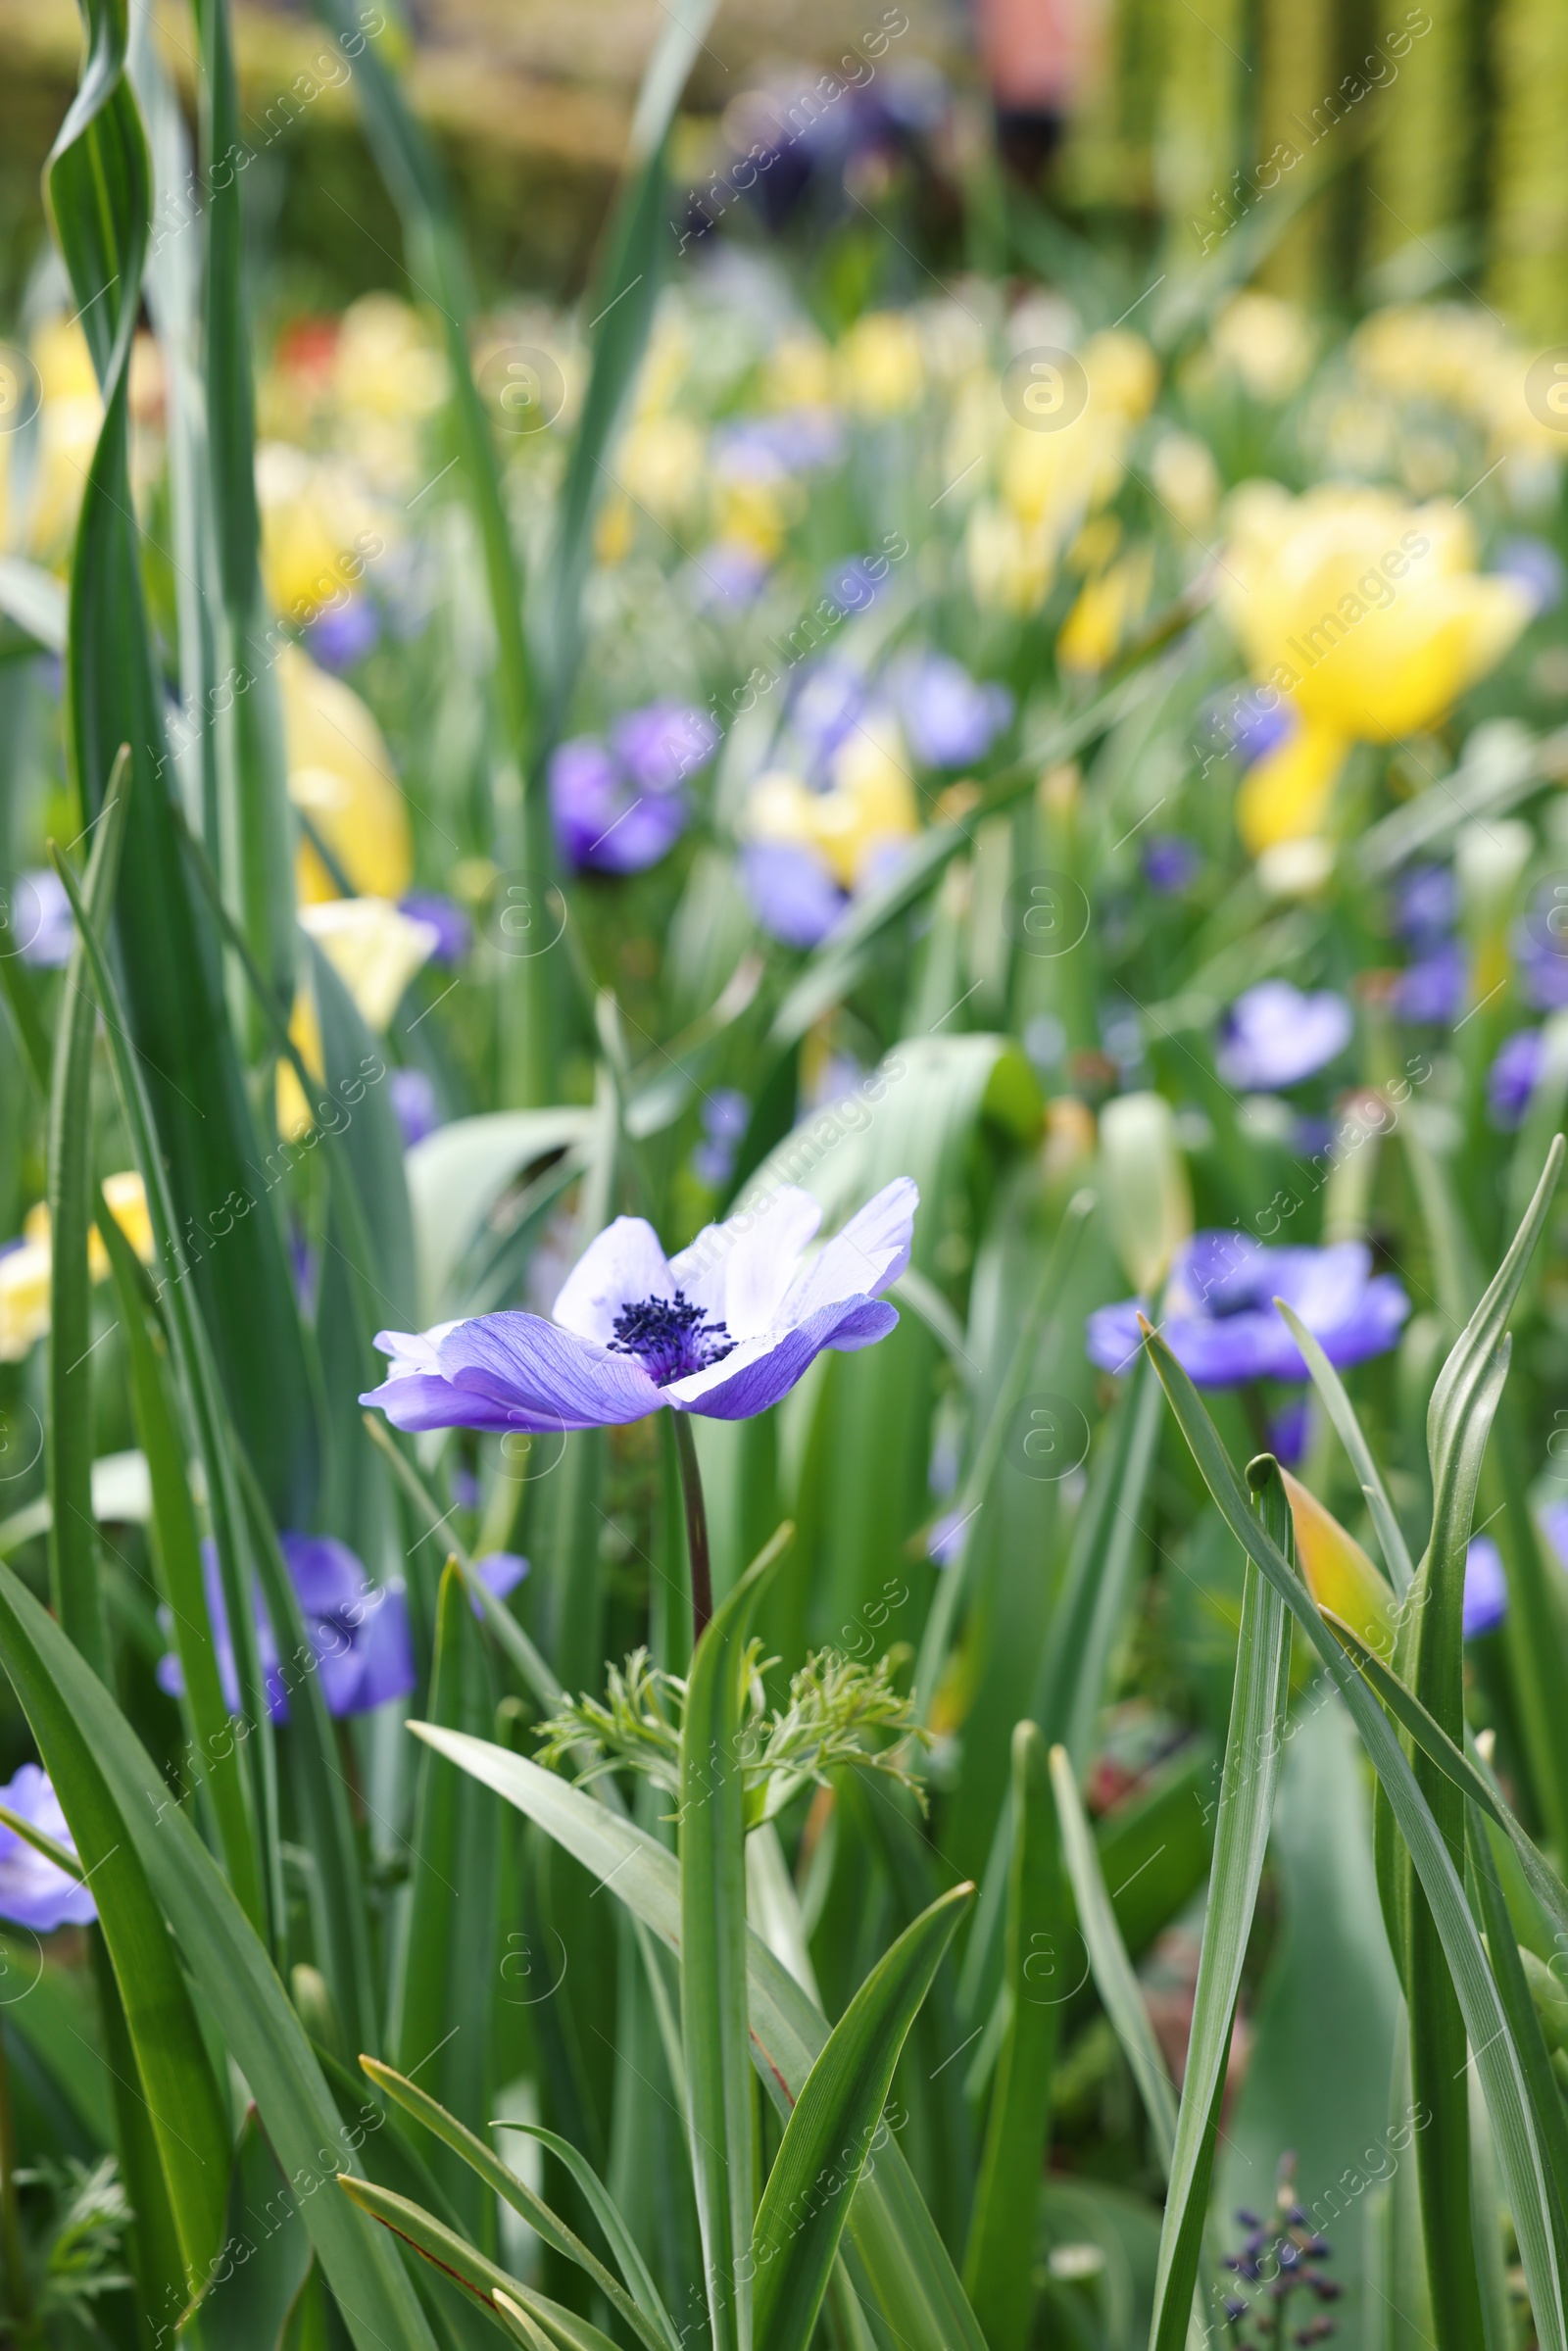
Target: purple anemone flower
(1538, 568)
(1426, 904)
(1430, 990)
(950, 719)
(450, 922)
(726, 572)
(1485, 1587)
(1513, 1076)
(1219, 1318)
(33, 1894)
(499, 1572)
(1541, 950)
(663, 744)
(359, 1631)
(342, 634)
(724, 1329)
(1171, 864)
(1275, 1035)
(603, 819)
(792, 892)
(414, 1099)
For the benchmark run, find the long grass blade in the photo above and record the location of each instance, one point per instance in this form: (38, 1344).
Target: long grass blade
(830, 2137)
(1251, 1774)
(1492, 2046)
(713, 1977)
(1000, 2260)
(1112, 1969)
(74, 1533)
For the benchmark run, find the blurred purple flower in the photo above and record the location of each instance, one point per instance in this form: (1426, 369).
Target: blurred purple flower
(1537, 568)
(724, 1329)
(602, 820)
(726, 1115)
(662, 744)
(1430, 990)
(1485, 1587)
(826, 705)
(342, 634)
(771, 447)
(499, 1572)
(854, 586)
(950, 719)
(36, 921)
(1288, 1431)
(1219, 1319)
(1426, 904)
(1541, 950)
(1275, 1035)
(793, 895)
(1512, 1078)
(1171, 864)
(450, 922)
(359, 1631)
(726, 572)
(413, 1099)
(1250, 728)
(33, 1894)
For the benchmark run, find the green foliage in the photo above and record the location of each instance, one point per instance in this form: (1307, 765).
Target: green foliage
(836, 1707)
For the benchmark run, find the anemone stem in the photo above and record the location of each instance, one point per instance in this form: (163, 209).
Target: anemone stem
(691, 1487)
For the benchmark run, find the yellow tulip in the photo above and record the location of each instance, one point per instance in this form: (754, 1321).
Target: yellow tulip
(341, 774)
(799, 375)
(1284, 795)
(24, 1271)
(659, 465)
(316, 522)
(1106, 608)
(1366, 615)
(1337, 1571)
(869, 802)
(24, 1299)
(1268, 343)
(881, 367)
(387, 362)
(1011, 564)
(374, 947)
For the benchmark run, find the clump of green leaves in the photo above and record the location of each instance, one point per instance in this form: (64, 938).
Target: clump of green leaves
(840, 1714)
(78, 2254)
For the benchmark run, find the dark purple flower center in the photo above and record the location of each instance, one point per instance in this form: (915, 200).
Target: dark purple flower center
(671, 1338)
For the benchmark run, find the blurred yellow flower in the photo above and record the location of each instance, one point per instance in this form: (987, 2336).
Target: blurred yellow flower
(799, 374)
(1187, 479)
(388, 360)
(1123, 374)
(340, 773)
(757, 513)
(1011, 562)
(1368, 616)
(881, 368)
(375, 949)
(1106, 609)
(318, 529)
(869, 803)
(1267, 342)
(659, 465)
(67, 435)
(24, 1271)
(24, 1299)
